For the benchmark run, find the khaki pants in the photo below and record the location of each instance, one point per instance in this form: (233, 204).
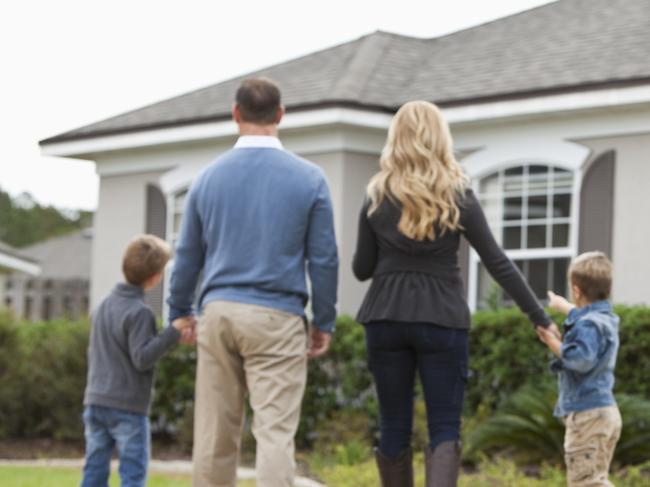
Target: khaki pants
(589, 444)
(256, 350)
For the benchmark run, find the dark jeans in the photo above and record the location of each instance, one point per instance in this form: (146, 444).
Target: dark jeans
(105, 428)
(396, 351)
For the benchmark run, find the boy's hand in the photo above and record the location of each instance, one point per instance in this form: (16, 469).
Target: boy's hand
(184, 322)
(319, 342)
(558, 303)
(186, 325)
(188, 336)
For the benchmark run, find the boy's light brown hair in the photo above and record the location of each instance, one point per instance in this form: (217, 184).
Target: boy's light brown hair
(592, 273)
(144, 257)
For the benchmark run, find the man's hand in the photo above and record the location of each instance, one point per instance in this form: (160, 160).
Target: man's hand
(186, 325)
(319, 342)
(558, 303)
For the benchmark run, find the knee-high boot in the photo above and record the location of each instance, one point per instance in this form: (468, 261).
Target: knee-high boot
(396, 472)
(442, 464)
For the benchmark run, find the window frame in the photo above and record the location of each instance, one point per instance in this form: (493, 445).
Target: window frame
(171, 236)
(569, 251)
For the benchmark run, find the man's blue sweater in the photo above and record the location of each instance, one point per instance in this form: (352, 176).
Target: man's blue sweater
(254, 219)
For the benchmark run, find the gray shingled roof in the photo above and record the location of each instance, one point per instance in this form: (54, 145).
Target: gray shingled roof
(562, 46)
(65, 257)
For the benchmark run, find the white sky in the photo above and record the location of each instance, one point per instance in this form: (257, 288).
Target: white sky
(68, 63)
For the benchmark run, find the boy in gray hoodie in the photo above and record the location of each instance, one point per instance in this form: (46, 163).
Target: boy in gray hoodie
(124, 347)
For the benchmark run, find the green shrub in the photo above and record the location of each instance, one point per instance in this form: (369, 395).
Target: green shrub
(43, 378)
(525, 429)
(172, 410)
(43, 373)
(338, 381)
(505, 354)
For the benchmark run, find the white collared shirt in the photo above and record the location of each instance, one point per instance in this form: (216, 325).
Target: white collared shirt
(264, 141)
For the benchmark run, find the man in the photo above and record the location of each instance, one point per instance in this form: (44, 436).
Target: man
(254, 219)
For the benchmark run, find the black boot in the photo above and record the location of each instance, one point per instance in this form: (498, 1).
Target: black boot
(397, 472)
(442, 464)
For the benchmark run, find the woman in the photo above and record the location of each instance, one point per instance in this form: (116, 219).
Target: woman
(415, 315)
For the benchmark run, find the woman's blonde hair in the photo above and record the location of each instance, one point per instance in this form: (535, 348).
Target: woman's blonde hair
(418, 170)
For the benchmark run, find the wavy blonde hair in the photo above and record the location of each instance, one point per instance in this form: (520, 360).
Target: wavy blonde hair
(418, 170)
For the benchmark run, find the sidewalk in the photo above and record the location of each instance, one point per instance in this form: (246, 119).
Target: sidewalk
(158, 466)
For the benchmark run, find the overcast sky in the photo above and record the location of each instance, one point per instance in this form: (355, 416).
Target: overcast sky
(67, 63)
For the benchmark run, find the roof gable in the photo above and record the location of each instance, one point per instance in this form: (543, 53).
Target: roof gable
(562, 46)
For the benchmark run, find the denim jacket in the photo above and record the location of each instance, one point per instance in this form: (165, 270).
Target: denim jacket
(588, 358)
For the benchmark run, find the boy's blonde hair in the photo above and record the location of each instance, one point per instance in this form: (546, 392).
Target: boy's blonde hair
(592, 273)
(144, 257)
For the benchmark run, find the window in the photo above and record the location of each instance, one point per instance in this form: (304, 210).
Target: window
(530, 211)
(47, 308)
(176, 214)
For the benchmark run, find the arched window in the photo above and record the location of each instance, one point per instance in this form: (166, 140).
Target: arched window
(531, 211)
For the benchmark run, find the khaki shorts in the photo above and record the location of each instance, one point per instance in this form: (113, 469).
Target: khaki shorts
(589, 444)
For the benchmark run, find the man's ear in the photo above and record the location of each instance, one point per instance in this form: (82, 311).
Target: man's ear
(236, 114)
(280, 113)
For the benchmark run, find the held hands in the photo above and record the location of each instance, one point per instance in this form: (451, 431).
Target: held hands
(551, 337)
(319, 342)
(558, 303)
(186, 325)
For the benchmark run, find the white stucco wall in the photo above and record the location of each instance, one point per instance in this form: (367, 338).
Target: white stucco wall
(349, 156)
(124, 176)
(120, 215)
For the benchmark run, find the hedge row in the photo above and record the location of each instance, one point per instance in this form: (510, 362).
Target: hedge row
(43, 367)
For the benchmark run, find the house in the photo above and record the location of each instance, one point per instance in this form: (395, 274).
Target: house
(61, 288)
(13, 260)
(549, 108)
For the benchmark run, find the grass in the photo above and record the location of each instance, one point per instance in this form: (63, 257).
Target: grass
(497, 473)
(66, 477)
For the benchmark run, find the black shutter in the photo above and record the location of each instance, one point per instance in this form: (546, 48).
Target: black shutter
(156, 224)
(597, 204)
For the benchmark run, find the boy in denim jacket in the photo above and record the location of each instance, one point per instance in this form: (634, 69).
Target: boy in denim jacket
(585, 365)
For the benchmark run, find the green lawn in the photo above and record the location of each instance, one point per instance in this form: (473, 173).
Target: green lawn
(66, 477)
(500, 473)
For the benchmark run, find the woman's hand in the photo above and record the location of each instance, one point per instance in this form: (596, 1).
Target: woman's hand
(548, 337)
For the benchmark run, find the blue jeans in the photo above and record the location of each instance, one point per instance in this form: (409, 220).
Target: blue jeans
(105, 428)
(396, 352)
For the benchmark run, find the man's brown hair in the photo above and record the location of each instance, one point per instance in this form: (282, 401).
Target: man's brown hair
(145, 256)
(258, 100)
(592, 273)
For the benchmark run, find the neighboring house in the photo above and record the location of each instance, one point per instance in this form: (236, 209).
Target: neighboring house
(14, 260)
(62, 287)
(549, 108)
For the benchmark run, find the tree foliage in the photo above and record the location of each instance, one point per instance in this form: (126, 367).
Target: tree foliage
(23, 221)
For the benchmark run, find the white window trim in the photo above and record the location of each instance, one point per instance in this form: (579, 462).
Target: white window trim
(171, 237)
(540, 253)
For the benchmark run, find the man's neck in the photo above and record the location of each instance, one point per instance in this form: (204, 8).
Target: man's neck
(254, 129)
